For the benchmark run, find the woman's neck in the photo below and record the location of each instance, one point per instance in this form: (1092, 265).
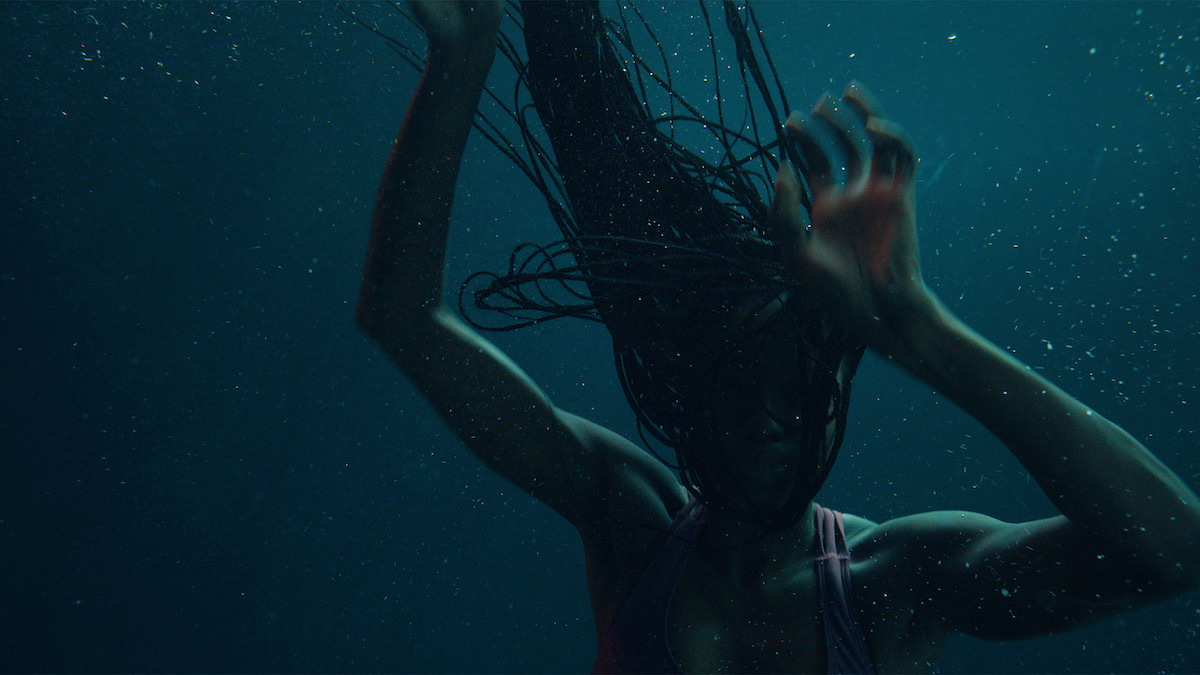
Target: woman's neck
(753, 555)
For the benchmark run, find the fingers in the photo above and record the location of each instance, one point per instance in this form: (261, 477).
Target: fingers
(894, 156)
(863, 101)
(849, 133)
(785, 210)
(893, 152)
(804, 132)
(847, 137)
(833, 143)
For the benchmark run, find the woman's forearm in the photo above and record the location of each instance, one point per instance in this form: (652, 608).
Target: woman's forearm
(406, 256)
(1097, 475)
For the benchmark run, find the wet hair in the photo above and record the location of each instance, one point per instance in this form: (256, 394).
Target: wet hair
(659, 241)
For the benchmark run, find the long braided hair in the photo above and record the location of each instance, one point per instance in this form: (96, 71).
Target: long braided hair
(658, 240)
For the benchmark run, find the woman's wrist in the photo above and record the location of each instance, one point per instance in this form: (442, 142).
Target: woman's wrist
(949, 356)
(920, 334)
(475, 53)
(456, 76)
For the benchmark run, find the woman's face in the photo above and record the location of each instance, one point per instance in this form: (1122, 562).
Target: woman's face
(760, 449)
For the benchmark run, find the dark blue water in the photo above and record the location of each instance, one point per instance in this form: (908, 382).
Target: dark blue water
(205, 467)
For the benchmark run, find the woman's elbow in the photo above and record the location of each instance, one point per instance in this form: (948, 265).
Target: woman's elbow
(393, 328)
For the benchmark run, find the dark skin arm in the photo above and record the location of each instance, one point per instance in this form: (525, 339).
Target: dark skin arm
(1129, 533)
(1128, 530)
(500, 414)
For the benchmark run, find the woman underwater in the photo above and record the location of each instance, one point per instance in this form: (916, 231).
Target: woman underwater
(736, 569)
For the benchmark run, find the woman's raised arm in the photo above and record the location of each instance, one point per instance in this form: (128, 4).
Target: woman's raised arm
(497, 411)
(406, 258)
(1129, 533)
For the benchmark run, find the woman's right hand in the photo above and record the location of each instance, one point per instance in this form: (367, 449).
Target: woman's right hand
(460, 26)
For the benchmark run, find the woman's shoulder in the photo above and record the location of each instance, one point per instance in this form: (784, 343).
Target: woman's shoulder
(635, 489)
(914, 541)
(886, 561)
(638, 499)
(898, 554)
(927, 530)
(857, 527)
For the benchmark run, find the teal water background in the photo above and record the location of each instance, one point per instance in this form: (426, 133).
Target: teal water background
(205, 467)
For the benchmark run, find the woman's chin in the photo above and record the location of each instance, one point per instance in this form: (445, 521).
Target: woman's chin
(768, 486)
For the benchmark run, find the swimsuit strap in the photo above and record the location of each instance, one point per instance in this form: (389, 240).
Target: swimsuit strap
(844, 642)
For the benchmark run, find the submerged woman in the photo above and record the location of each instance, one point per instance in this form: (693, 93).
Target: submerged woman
(736, 569)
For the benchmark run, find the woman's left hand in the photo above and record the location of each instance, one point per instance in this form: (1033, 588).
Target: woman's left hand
(859, 259)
